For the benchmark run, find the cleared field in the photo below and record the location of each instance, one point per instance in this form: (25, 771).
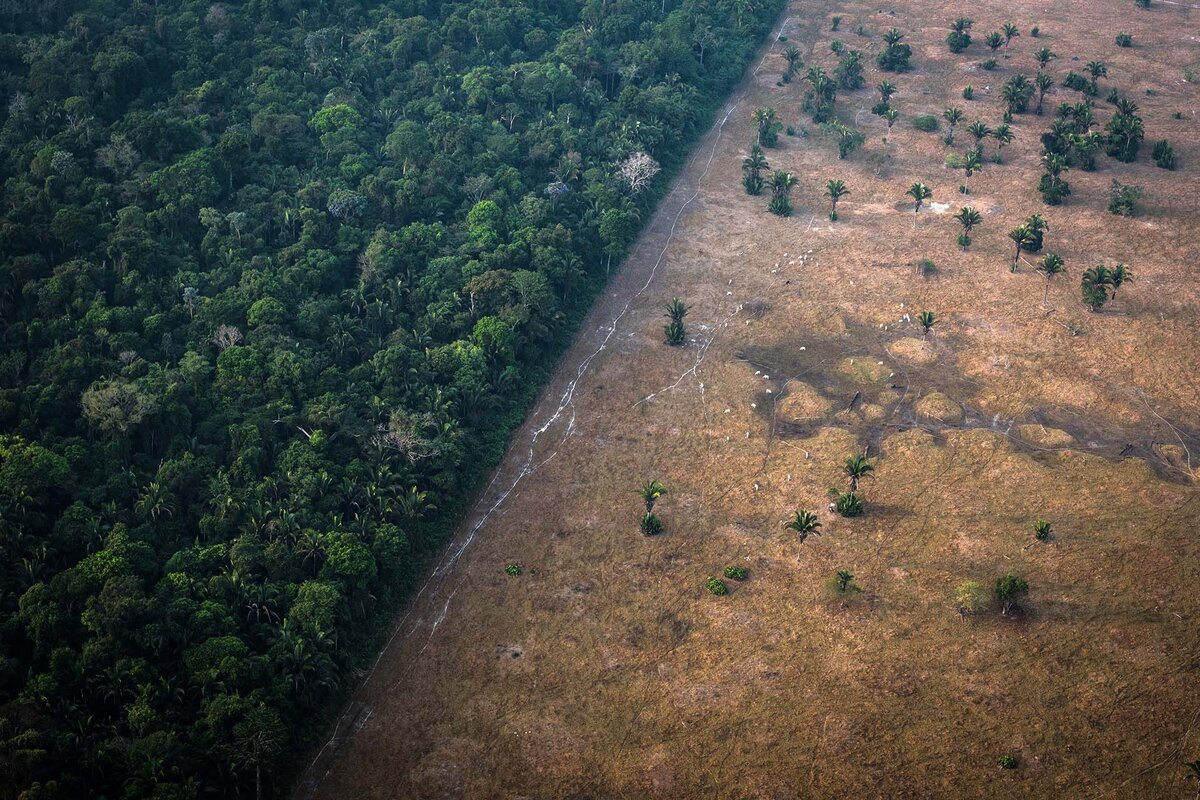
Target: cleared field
(606, 670)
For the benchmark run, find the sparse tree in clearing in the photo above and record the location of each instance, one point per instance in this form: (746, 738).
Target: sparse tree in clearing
(968, 218)
(781, 184)
(919, 192)
(927, 320)
(886, 90)
(1016, 93)
(1003, 135)
(1119, 275)
(845, 579)
(895, 55)
(959, 38)
(1010, 33)
(994, 40)
(835, 190)
(1122, 198)
(1009, 590)
(768, 126)
(848, 138)
(1044, 56)
(1052, 186)
(1038, 226)
(792, 55)
(1044, 83)
(1042, 530)
(650, 492)
(970, 597)
(857, 468)
(1021, 236)
(1050, 265)
(1145, 4)
(1094, 287)
(823, 96)
(752, 168)
(847, 504)
(980, 131)
(674, 331)
(953, 116)
(804, 523)
(971, 163)
(890, 116)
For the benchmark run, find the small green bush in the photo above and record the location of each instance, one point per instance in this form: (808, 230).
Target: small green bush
(1007, 762)
(849, 504)
(1164, 154)
(737, 573)
(1035, 31)
(969, 92)
(835, 22)
(1042, 530)
(990, 64)
(651, 524)
(716, 586)
(925, 122)
(925, 268)
(513, 569)
(1124, 40)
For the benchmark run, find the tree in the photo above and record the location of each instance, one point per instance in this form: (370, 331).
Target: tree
(1118, 276)
(1010, 32)
(768, 126)
(994, 40)
(953, 116)
(1052, 186)
(650, 492)
(674, 331)
(637, 171)
(844, 579)
(1009, 590)
(1122, 198)
(919, 192)
(752, 168)
(1016, 92)
(1044, 83)
(968, 218)
(835, 190)
(1021, 236)
(970, 597)
(959, 38)
(895, 55)
(1038, 226)
(849, 72)
(1044, 56)
(1003, 135)
(1094, 287)
(821, 97)
(890, 116)
(970, 164)
(927, 320)
(1050, 265)
(1163, 154)
(1042, 530)
(848, 138)
(781, 184)
(1125, 132)
(886, 90)
(805, 523)
(857, 468)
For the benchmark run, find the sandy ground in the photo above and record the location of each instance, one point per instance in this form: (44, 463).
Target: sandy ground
(605, 670)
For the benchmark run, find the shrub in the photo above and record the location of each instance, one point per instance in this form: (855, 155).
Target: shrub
(651, 524)
(716, 586)
(834, 23)
(1053, 192)
(780, 206)
(969, 92)
(513, 569)
(753, 183)
(1042, 530)
(1007, 762)
(964, 241)
(843, 582)
(1122, 198)
(849, 504)
(989, 64)
(1164, 154)
(836, 46)
(674, 333)
(1142, 3)
(925, 122)
(1035, 31)
(970, 597)
(1124, 40)
(737, 573)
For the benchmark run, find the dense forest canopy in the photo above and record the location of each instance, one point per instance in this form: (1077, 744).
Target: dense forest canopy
(277, 278)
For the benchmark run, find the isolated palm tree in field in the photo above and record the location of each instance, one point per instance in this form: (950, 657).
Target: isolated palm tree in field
(1044, 56)
(835, 190)
(890, 116)
(765, 119)
(953, 116)
(1003, 135)
(1010, 33)
(793, 58)
(650, 492)
(1044, 83)
(805, 523)
(781, 184)
(886, 90)
(970, 165)
(1050, 265)
(753, 167)
(919, 192)
(1021, 236)
(1120, 274)
(980, 131)
(857, 468)
(1094, 285)
(927, 320)
(968, 218)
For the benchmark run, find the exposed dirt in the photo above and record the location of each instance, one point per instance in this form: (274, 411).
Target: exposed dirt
(605, 670)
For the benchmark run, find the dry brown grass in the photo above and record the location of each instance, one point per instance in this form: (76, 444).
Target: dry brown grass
(606, 670)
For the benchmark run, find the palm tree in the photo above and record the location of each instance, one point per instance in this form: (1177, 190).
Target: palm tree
(857, 467)
(890, 116)
(892, 37)
(843, 579)
(1010, 33)
(1003, 135)
(1118, 275)
(677, 310)
(1043, 56)
(1038, 225)
(952, 116)
(968, 218)
(980, 131)
(919, 192)
(650, 492)
(927, 320)
(804, 522)
(781, 184)
(1044, 83)
(1094, 286)
(994, 40)
(886, 90)
(764, 117)
(793, 58)
(1009, 590)
(753, 167)
(1051, 264)
(835, 189)
(1021, 236)
(970, 164)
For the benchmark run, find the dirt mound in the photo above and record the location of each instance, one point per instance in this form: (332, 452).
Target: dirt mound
(1044, 437)
(802, 404)
(913, 350)
(936, 406)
